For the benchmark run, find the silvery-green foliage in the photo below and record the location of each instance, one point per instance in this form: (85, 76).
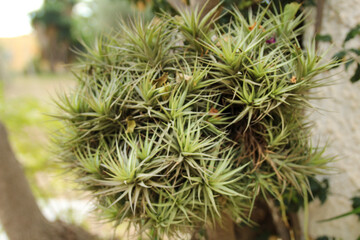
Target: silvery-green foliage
(179, 120)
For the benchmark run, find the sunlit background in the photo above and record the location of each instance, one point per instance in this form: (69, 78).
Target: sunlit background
(15, 19)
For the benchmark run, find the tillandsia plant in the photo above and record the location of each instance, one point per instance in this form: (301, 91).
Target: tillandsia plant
(180, 120)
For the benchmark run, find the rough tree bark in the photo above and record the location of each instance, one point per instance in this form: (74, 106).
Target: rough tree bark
(223, 231)
(19, 213)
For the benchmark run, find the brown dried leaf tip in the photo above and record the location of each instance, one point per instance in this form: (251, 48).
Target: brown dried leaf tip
(252, 26)
(214, 112)
(162, 80)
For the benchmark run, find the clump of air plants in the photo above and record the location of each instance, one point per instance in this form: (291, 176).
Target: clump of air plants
(180, 120)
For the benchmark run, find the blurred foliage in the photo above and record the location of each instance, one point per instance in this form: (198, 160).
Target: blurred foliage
(356, 205)
(34, 66)
(104, 16)
(355, 210)
(27, 126)
(2, 64)
(347, 56)
(323, 38)
(318, 189)
(54, 25)
(55, 13)
(21, 116)
(325, 238)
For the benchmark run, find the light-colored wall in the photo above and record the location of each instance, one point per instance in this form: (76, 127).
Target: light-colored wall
(19, 51)
(339, 123)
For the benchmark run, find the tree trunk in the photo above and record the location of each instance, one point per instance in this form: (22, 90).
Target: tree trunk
(19, 213)
(223, 231)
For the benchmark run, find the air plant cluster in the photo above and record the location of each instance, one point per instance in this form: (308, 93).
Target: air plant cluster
(179, 120)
